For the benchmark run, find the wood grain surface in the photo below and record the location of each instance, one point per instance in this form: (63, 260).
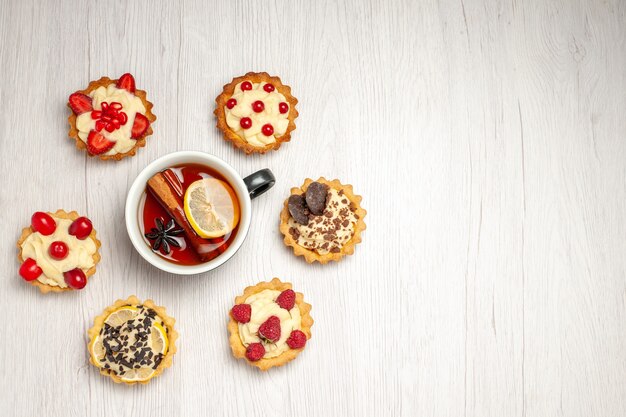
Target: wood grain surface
(487, 139)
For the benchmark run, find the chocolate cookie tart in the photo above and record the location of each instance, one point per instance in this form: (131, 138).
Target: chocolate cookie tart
(256, 112)
(132, 341)
(58, 251)
(110, 118)
(269, 324)
(322, 220)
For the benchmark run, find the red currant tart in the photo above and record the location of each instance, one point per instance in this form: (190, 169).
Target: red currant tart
(269, 324)
(256, 112)
(58, 251)
(110, 118)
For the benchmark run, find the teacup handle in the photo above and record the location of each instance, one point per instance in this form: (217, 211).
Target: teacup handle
(259, 182)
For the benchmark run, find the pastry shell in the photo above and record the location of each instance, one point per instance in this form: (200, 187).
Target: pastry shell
(239, 350)
(238, 142)
(27, 231)
(140, 142)
(348, 248)
(168, 321)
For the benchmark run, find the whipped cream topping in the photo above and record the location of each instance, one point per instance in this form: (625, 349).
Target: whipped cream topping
(80, 253)
(270, 114)
(329, 231)
(263, 306)
(131, 105)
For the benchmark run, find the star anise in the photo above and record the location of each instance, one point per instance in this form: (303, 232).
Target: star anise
(164, 236)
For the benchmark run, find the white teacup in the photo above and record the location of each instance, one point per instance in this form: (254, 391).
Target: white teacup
(246, 188)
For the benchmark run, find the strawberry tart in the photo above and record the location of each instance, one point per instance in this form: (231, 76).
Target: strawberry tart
(256, 112)
(269, 324)
(110, 118)
(58, 251)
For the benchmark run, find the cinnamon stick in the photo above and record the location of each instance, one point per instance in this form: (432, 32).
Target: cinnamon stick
(167, 190)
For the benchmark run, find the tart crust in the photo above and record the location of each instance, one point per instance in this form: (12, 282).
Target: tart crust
(168, 321)
(239, 350)
(230, 136)
(310, 255)
(27, 231)
(140, 142)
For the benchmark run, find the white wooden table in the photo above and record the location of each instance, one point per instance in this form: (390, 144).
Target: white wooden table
(488, 141)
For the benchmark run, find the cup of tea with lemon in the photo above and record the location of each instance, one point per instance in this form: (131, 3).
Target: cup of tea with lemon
(189, 212)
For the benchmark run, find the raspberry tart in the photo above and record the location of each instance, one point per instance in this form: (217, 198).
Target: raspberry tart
(110, 118)
(58, 252)
(322, 220)
(132, 341)
(269, 324)
(256, 112)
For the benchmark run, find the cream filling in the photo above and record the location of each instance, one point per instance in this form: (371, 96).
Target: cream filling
(131, 105)
(270, 114)
(80, 253)
(263, 306)
(329, 231)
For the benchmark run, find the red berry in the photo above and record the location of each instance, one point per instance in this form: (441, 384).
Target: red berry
(268, 87)
(242, 312)
(43, 223)
(246, 85)
(29, 270)
(270, 329)
(296, 340)
(140, 126)
(80, 103)
(122, 117)
(127, 82)
(255, 352)
(58, 250)
(286, 299)
(283, 107)
(231, 103)
(98, 144)
(75, 278)
(258, 106)
(267, 129)
(100, 125)
(96, 114)
(116, 106)
(245, 122)
(81, 228)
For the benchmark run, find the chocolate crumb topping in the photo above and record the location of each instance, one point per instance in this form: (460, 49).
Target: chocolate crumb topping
(127, 346)
(331, 229)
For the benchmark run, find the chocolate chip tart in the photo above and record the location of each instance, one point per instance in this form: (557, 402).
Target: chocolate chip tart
(322, 220)
(132, 341)
(269, 325)
(256, 112)
(41, 263)
(110, 118)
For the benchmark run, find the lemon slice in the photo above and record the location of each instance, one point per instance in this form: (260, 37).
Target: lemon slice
(97, 351)
(121, 315)
(211, 207)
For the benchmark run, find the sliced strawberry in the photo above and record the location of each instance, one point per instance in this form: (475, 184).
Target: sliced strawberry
(127, 82)
(80, 103)
(97, 144)
(140, 126)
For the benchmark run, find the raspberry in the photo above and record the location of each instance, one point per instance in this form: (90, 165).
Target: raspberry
(255, 351)
(270, 330)
(286, 299)
(242, 312)
(296, 340)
